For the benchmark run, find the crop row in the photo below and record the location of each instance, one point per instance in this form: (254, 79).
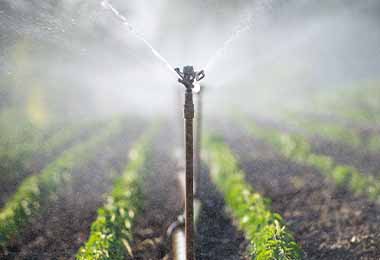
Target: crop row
(360, 103)
(17, 158)
(296, 148)
(338, 132)
(357, 103)
(17, 143)
(269, 237)
(36, 190)
(111, 233)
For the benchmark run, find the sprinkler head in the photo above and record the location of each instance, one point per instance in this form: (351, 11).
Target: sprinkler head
(188, 76)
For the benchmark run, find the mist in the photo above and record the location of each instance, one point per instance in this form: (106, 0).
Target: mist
(112, 147)
(82, 60)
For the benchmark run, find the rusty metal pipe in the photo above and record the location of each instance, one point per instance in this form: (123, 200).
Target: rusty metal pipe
(176, 231)
(189, 202)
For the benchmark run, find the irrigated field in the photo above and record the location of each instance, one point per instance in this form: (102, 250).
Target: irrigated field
(189, 130)
(269, 189)
(304, 188)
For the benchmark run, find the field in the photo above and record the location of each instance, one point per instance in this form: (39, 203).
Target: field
(158, 130)
(269, 190)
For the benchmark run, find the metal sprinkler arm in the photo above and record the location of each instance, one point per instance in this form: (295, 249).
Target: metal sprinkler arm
(178, 72)
(186, 82)
(200, 75)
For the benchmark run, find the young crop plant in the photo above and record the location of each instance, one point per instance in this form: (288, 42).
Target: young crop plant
(266, 231)
(35, 191)
(296, 148)
(330, 130)
(335, 131)
(67, 135)
(19, 136)
(112, 232)
(358, 103)
(17, 159)
(361, 103)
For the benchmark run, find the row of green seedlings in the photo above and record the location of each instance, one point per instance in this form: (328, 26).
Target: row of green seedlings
(21, 137)
(265, 230)
(111, 234)
(18, 157)
(357, 103)
(18, 140)
(296, 148)
(36, 191)
(334, 131)
(361, 104)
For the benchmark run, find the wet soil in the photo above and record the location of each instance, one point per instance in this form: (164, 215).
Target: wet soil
(365, 161)
(8, 185)
(162, 201)
(365, 129)
(328, 223)
(65, 224)
(217, 237)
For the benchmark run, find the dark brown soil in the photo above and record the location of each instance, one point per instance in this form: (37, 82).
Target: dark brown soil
(60, 230)
(163, 203)
(365, 161)
(35, 164)
(217, 237)
(365, 129)
(328, 223)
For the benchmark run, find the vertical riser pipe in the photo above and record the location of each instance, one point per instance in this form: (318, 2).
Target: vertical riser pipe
(189, 203)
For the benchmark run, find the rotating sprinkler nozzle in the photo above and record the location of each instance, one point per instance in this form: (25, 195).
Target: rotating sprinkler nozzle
(187, 78)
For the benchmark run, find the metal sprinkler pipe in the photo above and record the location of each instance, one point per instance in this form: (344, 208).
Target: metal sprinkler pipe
(187, 78)
(189, 210)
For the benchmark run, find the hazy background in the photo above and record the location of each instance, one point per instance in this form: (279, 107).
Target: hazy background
(64, 60)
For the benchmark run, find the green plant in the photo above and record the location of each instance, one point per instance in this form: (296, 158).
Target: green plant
(296, 148)
(17, 158)
(112, 232)
(33, 193)
(269, 238)
(337, 132)
(356, 103)
(373, 143)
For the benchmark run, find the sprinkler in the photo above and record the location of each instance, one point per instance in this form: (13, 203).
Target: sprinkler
(187, 78)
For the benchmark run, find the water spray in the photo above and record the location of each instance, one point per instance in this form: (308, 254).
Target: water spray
(107, 5)
(198, 138)
(187, 77)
